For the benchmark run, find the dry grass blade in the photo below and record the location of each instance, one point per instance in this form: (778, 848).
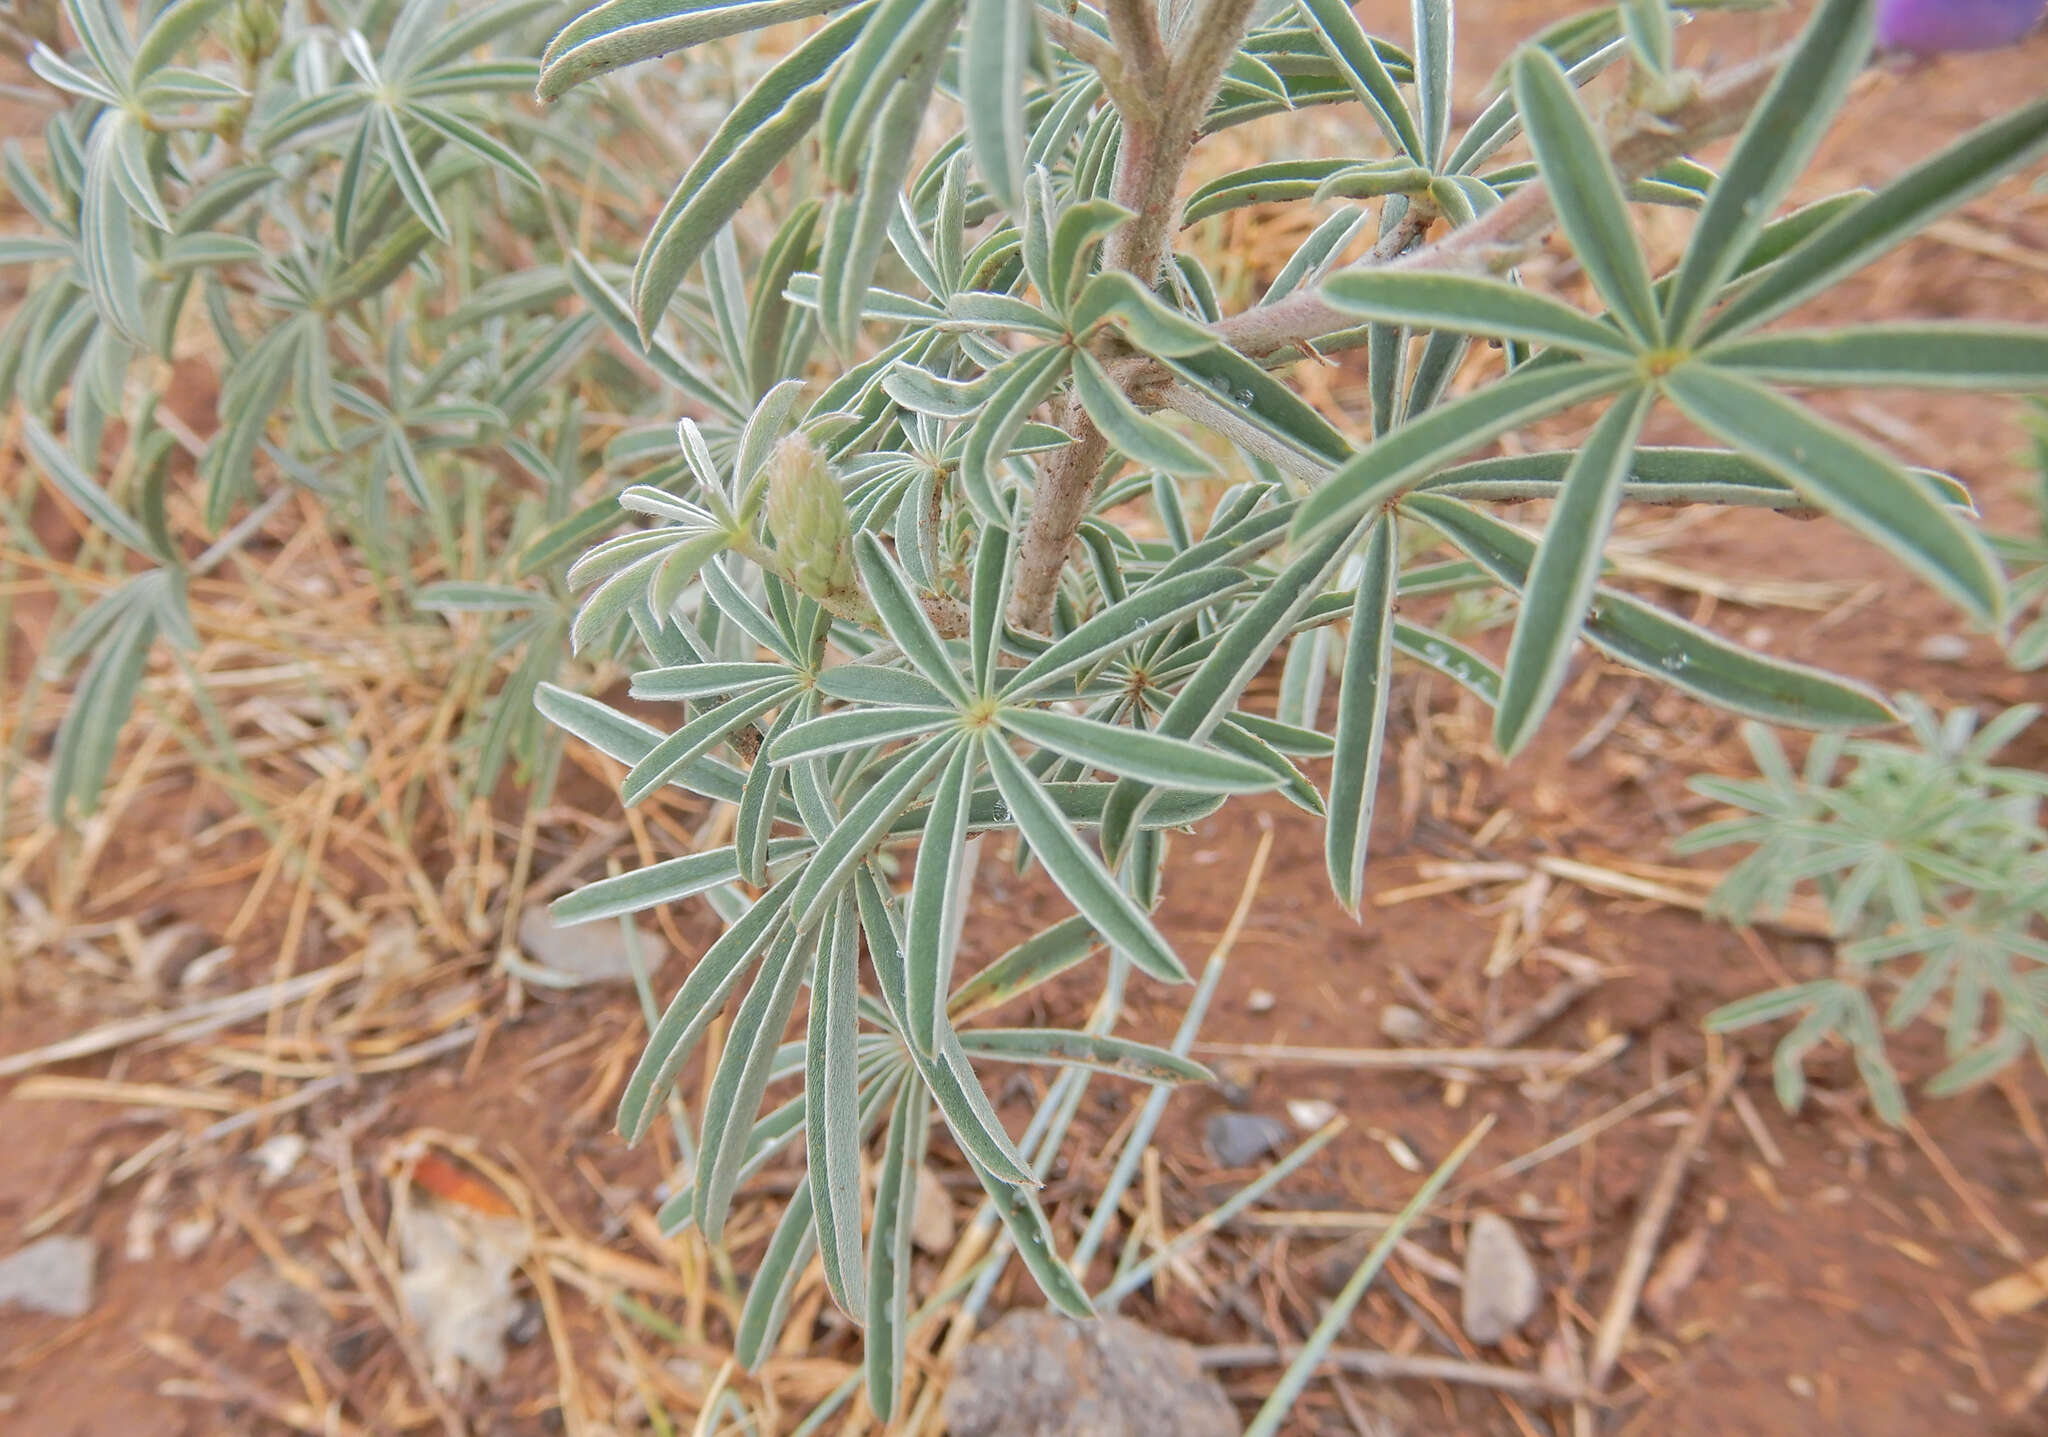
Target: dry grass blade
(1643, 1239)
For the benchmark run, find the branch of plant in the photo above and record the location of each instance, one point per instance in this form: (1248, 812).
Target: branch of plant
(1159, 132)
(1503, 235)
(1091, 50)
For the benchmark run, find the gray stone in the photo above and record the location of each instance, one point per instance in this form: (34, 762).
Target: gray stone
(585, 953)
(1037, 1374)
(1502, 1289)
(1404, 1025)
(1945, 648)
(1237, 1140)
(53, 1276)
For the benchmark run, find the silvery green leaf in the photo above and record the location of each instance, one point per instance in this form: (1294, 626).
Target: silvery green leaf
(71, 481)
(1160, 604)
(1018, 1208)
(741, 1078)
(697, 738)
(857, 225)
(904, 617)
(1435, 30)
(938, 902)
(1030, 963)
(1144, 440)
(1585, 191)
(100, 705)
(175, 26)
(1385, 470)
(1031, 380)
(1366, 73)
(832, 1088)
(1450, 658)
(1665, 647)
(1119, 1057)
(1908, 355)
(756, 136)
(864, 824)
(857, 728)
(1471, 304)
(1648, 25)
(1860, 230)
(889, 1249)
(1782, 134)
(1136, 754)
(1076, 869)
(1362, 716)
(994, 58)
(625, 32)
(628, 740)
(695, 1005)
(775, 1279)
(1845, 477)
(1567, 568)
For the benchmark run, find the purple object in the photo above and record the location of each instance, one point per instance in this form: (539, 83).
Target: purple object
(1927, 27)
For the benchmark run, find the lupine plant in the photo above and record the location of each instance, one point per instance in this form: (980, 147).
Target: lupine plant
(1012, 563)
(1933, 864)
(350, 213)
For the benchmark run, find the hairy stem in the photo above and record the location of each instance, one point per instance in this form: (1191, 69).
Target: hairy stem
(1162, 100)
(1501, 237)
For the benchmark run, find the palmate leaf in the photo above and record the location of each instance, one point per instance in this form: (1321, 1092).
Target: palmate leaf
(1240, 653)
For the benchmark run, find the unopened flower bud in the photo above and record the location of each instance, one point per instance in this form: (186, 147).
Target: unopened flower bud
(808, 514)
(254, 29)
(1928, 27)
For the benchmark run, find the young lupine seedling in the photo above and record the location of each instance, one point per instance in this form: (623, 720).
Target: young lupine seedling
(1934, 867)
(981, 207)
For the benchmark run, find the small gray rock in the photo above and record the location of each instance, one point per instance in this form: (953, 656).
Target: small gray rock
(585, 953)
(1237, 1140)
(53, 1276)
(1945, 648)
(1502, 1289)
(1037, 1374)
(1401, 1024)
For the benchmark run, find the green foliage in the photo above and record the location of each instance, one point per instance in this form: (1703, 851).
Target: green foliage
(346, 217)
(981, 517)
(1933, 864)
(2026, 557)
(1013, 382)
